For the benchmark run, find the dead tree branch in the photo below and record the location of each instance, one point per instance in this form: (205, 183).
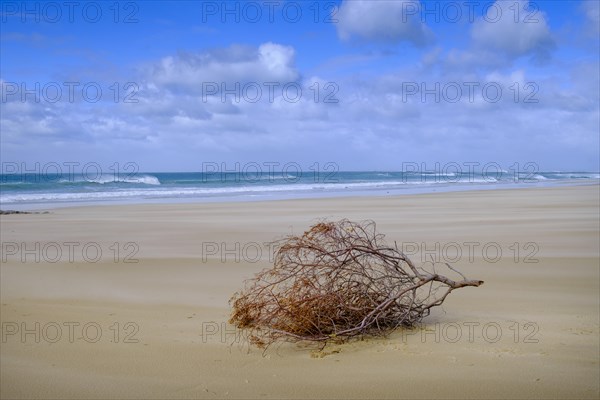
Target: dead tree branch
(337, 281)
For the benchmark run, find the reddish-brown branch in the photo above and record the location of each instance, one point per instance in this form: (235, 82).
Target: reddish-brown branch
(337, 281)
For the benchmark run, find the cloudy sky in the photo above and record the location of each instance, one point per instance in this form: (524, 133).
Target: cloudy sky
(365, 84)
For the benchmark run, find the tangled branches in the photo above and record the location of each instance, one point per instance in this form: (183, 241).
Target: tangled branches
(337, 281)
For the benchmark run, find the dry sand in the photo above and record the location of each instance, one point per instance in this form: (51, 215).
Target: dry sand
(176, 303)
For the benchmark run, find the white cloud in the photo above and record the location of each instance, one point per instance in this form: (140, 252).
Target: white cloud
(513, 29)
(382, 20)
(591, 9)
(270, 62)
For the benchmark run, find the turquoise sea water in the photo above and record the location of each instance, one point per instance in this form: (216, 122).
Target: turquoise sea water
(18, 189)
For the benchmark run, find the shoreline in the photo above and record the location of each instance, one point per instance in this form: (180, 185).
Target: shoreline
(412, 191)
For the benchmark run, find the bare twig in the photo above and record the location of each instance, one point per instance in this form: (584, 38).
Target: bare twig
(337, 281)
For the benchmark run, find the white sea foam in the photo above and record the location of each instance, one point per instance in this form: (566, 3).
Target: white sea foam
(148, 186)
(104, 179)
(183, 192)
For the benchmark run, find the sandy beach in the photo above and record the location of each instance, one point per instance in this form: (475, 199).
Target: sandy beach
(131, 301)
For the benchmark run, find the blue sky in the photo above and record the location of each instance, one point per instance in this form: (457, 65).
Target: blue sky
(370, 65)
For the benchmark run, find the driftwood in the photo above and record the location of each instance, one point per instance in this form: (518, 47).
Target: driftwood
(337, 281)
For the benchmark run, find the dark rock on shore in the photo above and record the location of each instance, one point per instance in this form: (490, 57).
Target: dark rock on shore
(7, 212)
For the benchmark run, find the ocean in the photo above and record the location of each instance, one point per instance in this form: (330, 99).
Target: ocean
(37, 190)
